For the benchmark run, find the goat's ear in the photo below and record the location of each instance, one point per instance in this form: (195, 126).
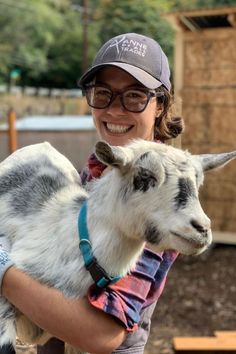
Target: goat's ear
(212, 161)
(114, 156)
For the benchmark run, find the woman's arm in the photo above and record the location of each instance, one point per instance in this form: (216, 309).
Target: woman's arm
(73, 321)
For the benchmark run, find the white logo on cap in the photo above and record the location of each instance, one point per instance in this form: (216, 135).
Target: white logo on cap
(126, 45)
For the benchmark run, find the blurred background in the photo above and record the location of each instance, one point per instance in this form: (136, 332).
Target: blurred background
(45, 45)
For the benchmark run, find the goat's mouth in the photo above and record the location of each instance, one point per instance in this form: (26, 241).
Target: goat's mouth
(196, 243)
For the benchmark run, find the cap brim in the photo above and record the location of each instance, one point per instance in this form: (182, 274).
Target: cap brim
(140, 75)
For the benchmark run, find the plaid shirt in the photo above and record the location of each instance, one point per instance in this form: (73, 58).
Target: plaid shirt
(141, 287)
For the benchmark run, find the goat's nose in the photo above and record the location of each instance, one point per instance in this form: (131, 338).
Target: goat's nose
(203, 229)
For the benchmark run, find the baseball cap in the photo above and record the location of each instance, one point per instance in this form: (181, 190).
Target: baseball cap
(140, 56)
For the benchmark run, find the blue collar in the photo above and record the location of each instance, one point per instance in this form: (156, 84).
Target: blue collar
(99, 275)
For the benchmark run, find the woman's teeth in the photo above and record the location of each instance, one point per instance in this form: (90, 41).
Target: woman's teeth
(115, 128)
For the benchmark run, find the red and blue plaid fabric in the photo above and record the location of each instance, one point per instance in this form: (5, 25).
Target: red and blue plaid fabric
(143, 286)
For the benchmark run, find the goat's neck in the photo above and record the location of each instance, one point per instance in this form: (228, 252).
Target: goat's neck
(114, 247)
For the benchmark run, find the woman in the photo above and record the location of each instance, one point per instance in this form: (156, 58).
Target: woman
(128, 88)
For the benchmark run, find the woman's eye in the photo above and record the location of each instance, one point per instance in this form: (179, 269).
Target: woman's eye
(135, 94)
(103, 92)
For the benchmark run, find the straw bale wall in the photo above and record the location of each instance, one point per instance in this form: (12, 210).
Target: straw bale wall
(209, 110)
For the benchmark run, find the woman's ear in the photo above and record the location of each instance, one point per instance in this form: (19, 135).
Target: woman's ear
(159, 109)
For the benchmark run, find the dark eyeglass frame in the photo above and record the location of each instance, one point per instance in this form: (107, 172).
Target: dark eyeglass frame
(149, 93)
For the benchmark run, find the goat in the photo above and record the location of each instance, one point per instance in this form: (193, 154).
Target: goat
(150, 194)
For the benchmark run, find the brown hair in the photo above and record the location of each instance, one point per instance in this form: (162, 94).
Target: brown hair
(167, 125)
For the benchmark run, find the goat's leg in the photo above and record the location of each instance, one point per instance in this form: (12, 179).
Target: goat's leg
(7, 327)
(53, 346)
(7, 349)
(71, 350)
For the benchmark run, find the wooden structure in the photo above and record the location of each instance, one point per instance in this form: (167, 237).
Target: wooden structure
(205, 82)
(222, 342)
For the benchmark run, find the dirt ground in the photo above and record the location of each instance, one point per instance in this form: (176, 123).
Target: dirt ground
(199, 298)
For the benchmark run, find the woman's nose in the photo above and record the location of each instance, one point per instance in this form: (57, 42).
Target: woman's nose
(116, 105)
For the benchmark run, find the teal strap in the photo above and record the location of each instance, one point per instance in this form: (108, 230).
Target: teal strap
(84, 245)
(99, 275)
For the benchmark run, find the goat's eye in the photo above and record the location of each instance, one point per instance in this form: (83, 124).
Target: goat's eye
(185, 191)
(144, 180)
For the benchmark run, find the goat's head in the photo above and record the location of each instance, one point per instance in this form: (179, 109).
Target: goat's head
(158, 188)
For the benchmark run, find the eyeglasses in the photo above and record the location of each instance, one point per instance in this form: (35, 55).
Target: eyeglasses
(133, 99)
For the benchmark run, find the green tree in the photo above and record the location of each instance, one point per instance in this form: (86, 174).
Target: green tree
(141, 16)
(28, 29)
(44, 38)
(64, 56)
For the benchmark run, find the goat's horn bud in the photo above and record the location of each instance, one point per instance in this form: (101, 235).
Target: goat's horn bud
(211, 161)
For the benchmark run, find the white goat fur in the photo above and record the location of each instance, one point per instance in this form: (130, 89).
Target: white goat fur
(151, 194)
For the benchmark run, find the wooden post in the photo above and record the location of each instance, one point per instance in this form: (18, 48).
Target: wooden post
(12, 135)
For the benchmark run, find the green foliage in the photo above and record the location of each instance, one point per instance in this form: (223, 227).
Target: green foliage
(27, 31)
(141, 16)
(44, 38)
(64, 55)
(31, 31)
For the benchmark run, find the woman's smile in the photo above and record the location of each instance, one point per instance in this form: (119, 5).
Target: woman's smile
(117, 128)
